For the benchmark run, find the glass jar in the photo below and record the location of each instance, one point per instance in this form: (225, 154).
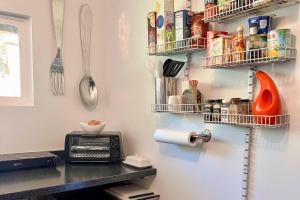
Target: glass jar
(225, 112)
(208, 109)
(234, 110)
(245, 110)
(216, 114)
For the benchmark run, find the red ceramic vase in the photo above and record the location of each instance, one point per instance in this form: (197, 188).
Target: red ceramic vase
(267, 104)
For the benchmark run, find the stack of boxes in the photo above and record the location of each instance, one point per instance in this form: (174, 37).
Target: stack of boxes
(173, 21)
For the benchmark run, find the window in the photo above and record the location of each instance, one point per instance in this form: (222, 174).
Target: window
(16, 85)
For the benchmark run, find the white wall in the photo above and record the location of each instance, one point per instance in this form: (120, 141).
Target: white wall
(211, 172)
(44, 126)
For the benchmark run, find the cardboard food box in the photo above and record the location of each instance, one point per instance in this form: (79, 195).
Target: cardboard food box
(151, 19)
(182, 27)
(182, 5)
(217, 51)
(165, 24)
(209, 45)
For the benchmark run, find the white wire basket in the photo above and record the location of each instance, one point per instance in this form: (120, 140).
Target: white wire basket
(263, 121)
(177, 108)
(236, 9)
(248, 120)
(191, 44)
(250, 57)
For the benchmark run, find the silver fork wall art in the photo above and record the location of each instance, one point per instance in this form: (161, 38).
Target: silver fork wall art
(57, 70)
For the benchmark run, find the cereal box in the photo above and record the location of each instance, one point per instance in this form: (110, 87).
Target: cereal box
(151, 19)
(165, 24)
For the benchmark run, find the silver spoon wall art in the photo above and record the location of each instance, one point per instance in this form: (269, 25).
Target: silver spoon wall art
(87, 87)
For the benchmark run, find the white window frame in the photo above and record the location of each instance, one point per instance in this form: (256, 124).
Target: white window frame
(26, 67)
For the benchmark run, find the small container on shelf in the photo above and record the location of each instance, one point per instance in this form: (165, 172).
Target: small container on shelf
(225, 111)
(208, 109)
(239, 49)
(216, 114)
(199, 30)
(245, 110)
(234, 109)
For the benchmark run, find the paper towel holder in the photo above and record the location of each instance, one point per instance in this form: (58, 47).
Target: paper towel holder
(204, 136)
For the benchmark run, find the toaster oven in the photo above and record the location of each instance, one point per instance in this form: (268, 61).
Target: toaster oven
(87, 147)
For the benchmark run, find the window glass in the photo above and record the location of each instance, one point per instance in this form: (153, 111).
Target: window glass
(10, 73)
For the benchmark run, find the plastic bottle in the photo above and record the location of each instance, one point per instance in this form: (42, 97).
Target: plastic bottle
(268, 100)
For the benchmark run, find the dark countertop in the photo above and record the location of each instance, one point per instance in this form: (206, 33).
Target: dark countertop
(65, 177)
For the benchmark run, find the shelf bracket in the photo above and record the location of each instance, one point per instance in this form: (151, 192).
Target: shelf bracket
(246, 164)
(248, 139)
(188, 66)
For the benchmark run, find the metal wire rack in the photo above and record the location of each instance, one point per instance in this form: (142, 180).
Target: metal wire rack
(264, 121)
(248, 120)
(236, 9)
(249, 57)
(187, 45)
(177, 108)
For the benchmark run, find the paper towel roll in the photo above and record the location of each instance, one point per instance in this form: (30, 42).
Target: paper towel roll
(175, 137)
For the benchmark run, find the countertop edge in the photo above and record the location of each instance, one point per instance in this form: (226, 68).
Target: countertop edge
(79, 185)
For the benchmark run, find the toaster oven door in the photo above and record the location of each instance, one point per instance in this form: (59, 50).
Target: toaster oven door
(96, 149)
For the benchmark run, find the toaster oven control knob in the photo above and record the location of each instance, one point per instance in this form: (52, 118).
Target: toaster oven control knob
(115, 155)
(115, 142)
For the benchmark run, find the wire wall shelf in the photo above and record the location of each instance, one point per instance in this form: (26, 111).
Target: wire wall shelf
(188, 45)
(177, 108)
(263, 121)
(236, 9)
(248, 120)
(250, 57)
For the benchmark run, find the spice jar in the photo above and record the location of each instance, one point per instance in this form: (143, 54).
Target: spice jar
(234, 110)
(225, 111)
(216, 114)
(253, 28)
(208, 108)
(245, 110)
